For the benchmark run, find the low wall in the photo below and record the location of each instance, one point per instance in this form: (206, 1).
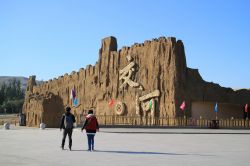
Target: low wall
(225, 110)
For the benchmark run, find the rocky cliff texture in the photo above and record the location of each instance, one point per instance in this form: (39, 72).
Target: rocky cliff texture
(147, 79)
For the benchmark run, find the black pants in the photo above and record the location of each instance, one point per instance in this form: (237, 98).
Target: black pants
(65, 133)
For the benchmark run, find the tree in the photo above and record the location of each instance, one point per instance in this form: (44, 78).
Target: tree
(11, 97)
(2, 93)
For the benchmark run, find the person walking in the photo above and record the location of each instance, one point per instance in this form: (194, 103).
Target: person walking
(91, 126)
(67, 124)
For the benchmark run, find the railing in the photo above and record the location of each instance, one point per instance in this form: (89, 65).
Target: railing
(109, 120)
(136, 121)
(10, 118)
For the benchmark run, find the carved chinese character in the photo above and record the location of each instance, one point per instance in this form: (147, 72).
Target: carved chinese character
(147, 103)
(127, 73)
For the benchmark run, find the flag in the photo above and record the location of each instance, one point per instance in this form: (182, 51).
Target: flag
(111, 102)
(73, 99)
(246, 108)
(75, 102)
(183, 105)
(216, 107)
(71, 94)
(150, 104)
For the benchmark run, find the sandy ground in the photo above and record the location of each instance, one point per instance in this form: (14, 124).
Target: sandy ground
(123, 147)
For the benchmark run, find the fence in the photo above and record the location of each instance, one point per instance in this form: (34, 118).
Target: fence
(111, 120)
(136, 121)
(11, 118)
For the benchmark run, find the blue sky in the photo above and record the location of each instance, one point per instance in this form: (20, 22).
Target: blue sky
(48, 38)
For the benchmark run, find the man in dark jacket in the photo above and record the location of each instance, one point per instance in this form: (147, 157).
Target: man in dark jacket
(91, 126)
(67, 124)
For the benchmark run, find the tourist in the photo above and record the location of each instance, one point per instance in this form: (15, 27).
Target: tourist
(67, 124)
(91, 126)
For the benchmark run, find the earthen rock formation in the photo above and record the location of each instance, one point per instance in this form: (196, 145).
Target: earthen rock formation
(149, 76)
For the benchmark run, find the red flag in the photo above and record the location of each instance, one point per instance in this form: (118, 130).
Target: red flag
(246, 108)
(111, 102)
(183, 105)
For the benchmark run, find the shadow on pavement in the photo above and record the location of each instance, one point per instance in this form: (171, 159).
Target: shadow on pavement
(147, 153)
(79, 150)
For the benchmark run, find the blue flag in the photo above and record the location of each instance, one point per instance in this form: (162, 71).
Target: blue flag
(216, 107)
(75, 102)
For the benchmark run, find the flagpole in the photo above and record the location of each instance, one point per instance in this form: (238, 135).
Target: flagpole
(216, 110)
(247, 111)
(184, 118)
(247, 119)
(182, 107)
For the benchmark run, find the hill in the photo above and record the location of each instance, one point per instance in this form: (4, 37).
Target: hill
(7, 79)
(23, 80)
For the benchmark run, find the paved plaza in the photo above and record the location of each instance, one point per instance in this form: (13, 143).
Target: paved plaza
(126, 147)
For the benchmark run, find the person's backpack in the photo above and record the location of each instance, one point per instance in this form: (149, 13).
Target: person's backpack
(68, 122)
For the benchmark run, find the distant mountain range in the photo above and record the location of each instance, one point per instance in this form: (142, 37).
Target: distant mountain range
(23, 80)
